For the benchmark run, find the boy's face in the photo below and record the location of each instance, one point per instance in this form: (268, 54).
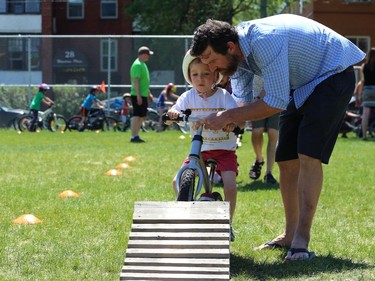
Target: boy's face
(201, 77)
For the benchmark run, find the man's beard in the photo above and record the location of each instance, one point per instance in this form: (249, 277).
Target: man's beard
(231, 68)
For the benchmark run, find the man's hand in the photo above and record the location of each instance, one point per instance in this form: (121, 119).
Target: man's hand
(139, 100)
(215, 121)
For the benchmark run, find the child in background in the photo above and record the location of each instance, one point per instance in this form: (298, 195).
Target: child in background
(87, 104)
(125, 109)
(163, 103)
(204, 99)
(36, 104)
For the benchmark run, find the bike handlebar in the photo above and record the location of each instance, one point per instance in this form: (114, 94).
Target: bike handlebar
(185, 117)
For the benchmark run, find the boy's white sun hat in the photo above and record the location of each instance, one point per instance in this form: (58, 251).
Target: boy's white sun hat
(185, 68)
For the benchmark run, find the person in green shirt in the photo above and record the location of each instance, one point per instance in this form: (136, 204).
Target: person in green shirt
(36, 104)
(140, 91)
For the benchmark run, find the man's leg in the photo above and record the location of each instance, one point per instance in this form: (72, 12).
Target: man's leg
(364, 123)
(257, 142)
(289, 172)
(309, 189)
(136, 122)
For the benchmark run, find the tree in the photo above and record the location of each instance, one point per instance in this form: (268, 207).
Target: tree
(181, 17)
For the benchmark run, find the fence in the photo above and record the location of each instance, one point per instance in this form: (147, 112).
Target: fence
(84, 60)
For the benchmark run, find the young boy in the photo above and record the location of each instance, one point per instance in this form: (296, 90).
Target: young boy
(125, 109)
(203, 99)
(87, 103)
(36, 104)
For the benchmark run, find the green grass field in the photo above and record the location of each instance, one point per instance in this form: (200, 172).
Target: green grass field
(85, 238)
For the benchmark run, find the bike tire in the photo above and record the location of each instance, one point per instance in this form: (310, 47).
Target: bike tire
(109, 124)
(23, 123)
(73, 123)
(151, 121)
(58, 123)
(187, 186)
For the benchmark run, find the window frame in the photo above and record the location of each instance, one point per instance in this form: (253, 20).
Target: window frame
(355, 39)
(104, 56)
(106, 2)
(68, 5)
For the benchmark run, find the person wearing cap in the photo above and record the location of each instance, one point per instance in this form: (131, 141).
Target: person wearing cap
(125, 109)
(87, 104)
(205, 98)
(140, 91)
(163, 103)
(36, 103)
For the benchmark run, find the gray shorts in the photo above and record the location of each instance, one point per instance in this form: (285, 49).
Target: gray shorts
(368, 96)
(271, 122)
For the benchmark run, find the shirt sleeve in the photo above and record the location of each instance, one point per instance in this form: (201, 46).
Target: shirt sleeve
(271, 55)
(242, 85)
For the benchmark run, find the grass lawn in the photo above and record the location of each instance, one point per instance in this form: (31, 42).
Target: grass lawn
(85, 238)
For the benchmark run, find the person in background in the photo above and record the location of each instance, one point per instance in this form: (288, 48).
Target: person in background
(202, 99)
(140, 91)
(164, 103)
(312, 92)
(365, 90)
(36, 103)
(87, 104)
(125, 109)
(269, 125)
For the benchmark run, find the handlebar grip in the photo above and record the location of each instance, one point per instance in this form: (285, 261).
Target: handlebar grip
(238, 131)
(165, 117)
(184, 117)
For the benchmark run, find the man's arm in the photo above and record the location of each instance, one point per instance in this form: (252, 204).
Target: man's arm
(254, 111)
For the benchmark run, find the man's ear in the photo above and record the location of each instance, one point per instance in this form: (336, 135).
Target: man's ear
(231, 47)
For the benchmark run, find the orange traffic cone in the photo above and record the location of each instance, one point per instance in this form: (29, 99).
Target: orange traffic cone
(27, 219)
(68, 194)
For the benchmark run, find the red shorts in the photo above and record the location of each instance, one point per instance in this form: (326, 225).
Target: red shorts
(226, 160)
(84, 111)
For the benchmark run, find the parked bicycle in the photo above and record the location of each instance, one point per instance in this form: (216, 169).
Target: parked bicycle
(189, 189)
(97, 120)
(47, 119)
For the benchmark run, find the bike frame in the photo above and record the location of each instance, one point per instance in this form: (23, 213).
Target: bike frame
(197, 164)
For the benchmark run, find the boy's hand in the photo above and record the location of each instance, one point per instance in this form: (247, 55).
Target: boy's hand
(173, 114)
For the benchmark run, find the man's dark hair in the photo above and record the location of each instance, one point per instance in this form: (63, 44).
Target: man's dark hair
(213, 33)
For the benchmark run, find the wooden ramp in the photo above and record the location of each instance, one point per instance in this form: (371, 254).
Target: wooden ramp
(178, 241)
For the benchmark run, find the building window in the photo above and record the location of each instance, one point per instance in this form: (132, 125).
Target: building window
(18, 54)
(362, 42)
(20, 6)
(75, 9)
(108, 9)
(104, 53)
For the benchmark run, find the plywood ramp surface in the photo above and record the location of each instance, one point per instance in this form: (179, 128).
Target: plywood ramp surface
(178, 241)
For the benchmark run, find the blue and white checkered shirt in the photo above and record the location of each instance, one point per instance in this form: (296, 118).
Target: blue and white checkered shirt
(289, 52)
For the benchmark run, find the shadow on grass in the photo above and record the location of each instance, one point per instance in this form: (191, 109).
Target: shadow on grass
(320, 264)
(256, 185)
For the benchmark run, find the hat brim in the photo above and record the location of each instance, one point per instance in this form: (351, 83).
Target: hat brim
(185, 68)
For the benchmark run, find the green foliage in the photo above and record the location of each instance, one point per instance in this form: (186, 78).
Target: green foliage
(177, 17)
(86, 238)
(181, 17)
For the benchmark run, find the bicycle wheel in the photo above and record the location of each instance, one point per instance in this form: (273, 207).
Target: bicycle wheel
(23, 122)
(73, 123)
(187, 184)
(57, 124)
(109, 124)
(151, 121)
